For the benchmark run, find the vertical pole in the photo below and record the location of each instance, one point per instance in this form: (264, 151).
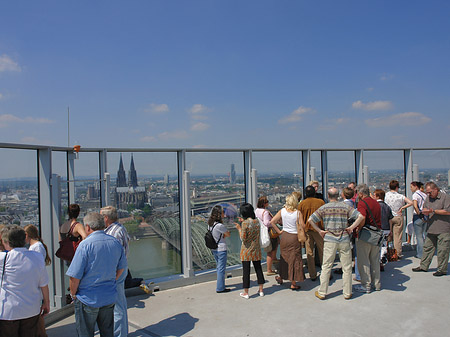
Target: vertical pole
(306, 171)
(359, 163)
(324, 173)
(71, 156)
(107, 188)
(247, 176)
(415, 172)
(254, 187)
(103, 158)
(408, 171)
(366, 177)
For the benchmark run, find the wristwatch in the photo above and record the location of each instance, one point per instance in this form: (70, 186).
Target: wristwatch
(73, 297)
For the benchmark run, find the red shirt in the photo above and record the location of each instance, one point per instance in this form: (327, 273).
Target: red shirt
(374, 207)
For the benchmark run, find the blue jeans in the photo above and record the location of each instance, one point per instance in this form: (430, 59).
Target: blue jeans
(120, 309)
(221, 261)
(86, 317)
(357, 276)
(420, 229)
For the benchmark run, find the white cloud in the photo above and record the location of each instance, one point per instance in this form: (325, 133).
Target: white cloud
(402, 119)
(7, 64)
(181, 134)
(147, 139)
(332, 124)
(371, 106)
(156, 109)
(199, 111)
(295, 116)
(200, 126)
(7, 119)
(386, 77)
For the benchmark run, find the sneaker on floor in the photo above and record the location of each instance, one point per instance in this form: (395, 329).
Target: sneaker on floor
(348, 297)
(244, 296)
(361, 289)
(320, 297)
(271, 273)
(261, 294)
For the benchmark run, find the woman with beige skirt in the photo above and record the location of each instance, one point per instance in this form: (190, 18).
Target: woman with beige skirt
(291, 264)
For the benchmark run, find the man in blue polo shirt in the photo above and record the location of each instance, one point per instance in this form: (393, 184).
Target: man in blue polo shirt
(98, 262)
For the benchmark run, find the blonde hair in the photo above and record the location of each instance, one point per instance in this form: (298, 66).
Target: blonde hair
(291, 202)
(312, 182)
(298, 195)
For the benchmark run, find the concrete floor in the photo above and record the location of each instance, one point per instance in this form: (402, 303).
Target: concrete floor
(410, 304)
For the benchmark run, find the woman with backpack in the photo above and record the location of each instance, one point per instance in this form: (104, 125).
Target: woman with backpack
(219, 232)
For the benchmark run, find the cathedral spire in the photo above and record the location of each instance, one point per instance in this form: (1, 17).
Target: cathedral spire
(132, 175)
(121, 180)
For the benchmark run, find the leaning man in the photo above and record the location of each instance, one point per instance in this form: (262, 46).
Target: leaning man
(335, 216)
(437, 207)
(98, 262)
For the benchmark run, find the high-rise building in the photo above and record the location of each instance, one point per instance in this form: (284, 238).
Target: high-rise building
(166, 179)
(132, 175)
(232, 175)
(121, 180)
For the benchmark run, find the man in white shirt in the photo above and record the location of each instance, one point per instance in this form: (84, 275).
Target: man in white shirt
(397, 202)
(24, 294)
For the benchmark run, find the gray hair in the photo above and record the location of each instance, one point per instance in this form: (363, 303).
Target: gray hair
(363, 189)
(110, 212)
(14, 235)
(95, 221)
(432, 185)
(333, 193)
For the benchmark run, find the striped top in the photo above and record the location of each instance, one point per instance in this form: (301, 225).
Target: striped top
(120, 233)
(250, 248)
(335, 216)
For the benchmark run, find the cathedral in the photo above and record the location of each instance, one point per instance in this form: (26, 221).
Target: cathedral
(128, 192)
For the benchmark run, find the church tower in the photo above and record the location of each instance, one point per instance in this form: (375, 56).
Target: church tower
(132, 175)
(121, 180)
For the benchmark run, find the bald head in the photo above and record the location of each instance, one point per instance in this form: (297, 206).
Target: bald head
(333, 193)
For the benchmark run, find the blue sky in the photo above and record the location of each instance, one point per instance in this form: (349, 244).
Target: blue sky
(227, 74)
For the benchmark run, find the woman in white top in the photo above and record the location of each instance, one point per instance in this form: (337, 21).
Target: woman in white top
(34, 240)
(263, 214)
(291, 264)
(419, 224)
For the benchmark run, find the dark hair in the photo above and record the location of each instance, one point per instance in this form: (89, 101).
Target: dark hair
(393, 184)
(379, 193)
(73, 211)
(247, 211)
(348, 192)
(14, 235)
(417, 184)
(262, 201)
(216, 215)
(33, 233)
(310, 191)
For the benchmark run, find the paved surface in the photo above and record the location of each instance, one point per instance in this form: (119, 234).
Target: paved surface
(410, 304)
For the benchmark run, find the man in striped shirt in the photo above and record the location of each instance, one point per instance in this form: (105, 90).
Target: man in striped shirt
(336, 235)
(118, 231)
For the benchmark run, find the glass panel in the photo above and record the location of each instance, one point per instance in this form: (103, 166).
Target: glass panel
(19, 187)
(279, 174)
(341, 168)
(385, 166)
(216, 178)
(59, 167)
(145, 192)
(434, 165)
(87, 182)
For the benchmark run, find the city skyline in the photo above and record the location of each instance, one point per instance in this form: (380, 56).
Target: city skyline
(228, 74)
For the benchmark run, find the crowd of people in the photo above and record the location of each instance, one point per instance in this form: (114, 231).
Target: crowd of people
(357, 223)
(97, 268)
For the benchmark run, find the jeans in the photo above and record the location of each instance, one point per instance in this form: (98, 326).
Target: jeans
(221, 261)
(345, 256)
(86, 317)
(120, 309)
(420, 228)
(357, 275)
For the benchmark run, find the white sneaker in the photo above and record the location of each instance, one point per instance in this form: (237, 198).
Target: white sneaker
(361, 289)
(244, 295)
(261, 294)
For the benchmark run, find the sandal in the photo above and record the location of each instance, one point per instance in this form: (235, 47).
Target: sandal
(279, 280)
(295, 288)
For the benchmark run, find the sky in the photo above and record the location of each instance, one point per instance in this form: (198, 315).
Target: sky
(225, 74)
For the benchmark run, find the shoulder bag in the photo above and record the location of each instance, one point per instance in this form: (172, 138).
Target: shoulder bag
(368, 234)
(264, 238)
(66, 249)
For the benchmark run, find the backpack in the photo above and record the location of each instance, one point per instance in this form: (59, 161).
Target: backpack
(209, 238)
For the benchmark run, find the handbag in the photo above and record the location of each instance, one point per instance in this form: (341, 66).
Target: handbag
(300, 230)
(391, 254)
(264, 238)
(370, 235)
(66, 250)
